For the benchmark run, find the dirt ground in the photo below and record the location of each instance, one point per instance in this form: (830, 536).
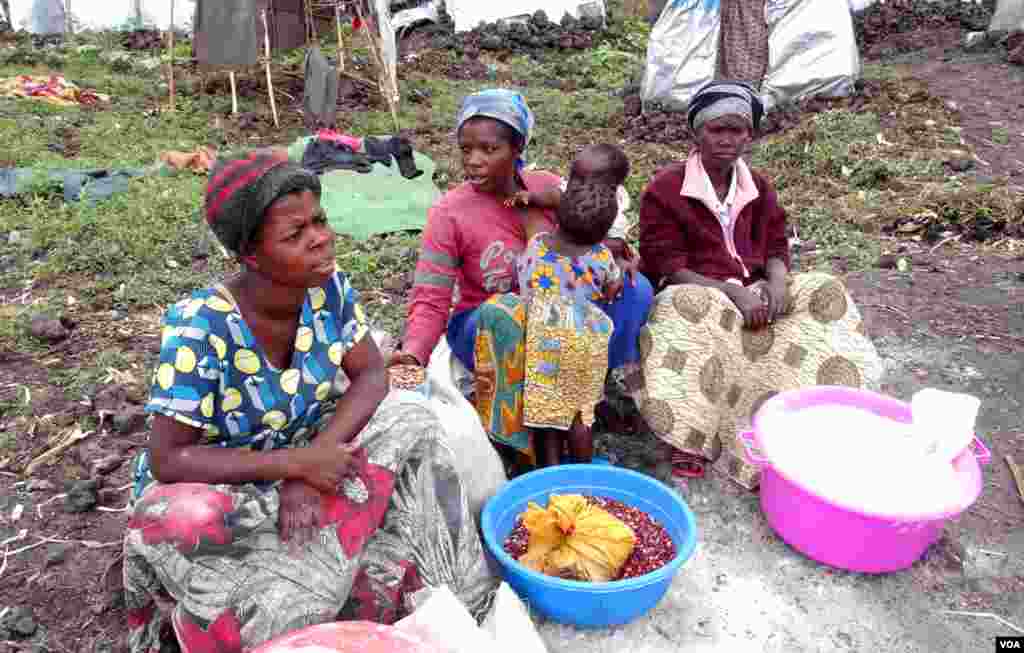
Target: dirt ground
(955, 321)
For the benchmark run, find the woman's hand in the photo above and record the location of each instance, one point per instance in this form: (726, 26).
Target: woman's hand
(612, 290)
(520, 199)
(300, 514)
(775, 294)
(325, 466)
(629, 262)
(403, 358)
(750, 305)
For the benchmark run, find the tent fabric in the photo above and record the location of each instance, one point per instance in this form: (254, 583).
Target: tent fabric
(227, 33)
(100, 14)
(468, 14)
(379, 202)
(320, 93)
(1009, 16)
(812, 51)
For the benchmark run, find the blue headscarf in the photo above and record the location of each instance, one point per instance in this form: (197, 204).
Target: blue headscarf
(505, 106)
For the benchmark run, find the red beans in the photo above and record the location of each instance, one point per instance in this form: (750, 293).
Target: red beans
(654, 546)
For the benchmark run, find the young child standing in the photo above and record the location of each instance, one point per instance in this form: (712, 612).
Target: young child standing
(561, 275)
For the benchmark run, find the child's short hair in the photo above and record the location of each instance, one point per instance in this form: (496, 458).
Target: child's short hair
(612, 167)
(587, 211)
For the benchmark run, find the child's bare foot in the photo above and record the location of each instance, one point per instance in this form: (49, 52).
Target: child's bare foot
(548, 445)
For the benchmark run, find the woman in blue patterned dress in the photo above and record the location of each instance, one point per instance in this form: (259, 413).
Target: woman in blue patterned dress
(283, 486)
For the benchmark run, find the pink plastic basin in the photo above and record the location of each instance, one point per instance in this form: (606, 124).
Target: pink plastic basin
(842, 535)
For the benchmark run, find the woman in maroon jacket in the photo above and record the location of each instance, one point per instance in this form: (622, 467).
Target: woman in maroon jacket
(732, 326)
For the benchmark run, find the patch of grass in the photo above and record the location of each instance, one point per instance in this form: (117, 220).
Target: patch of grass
(83, 381)
(16, 402)
(836, 238)
(1000, 135)
(825, 145)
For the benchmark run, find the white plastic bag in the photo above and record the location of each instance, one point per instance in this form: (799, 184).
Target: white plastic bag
(1009, 16)
(444, 623)
(510, 622)
(476, 460)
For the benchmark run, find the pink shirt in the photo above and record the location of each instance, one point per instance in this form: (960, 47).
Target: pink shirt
(471, 239)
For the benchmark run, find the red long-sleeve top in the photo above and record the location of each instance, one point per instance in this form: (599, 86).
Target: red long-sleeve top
(679, 226)
(473, 240)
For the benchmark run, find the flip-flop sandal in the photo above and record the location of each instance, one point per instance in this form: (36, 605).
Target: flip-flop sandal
(686, 465)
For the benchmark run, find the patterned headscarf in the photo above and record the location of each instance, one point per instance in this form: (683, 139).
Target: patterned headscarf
(241, 189)
(725, 98)
(505, 106)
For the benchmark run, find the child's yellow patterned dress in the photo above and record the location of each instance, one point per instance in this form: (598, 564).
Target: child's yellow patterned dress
(567, 334)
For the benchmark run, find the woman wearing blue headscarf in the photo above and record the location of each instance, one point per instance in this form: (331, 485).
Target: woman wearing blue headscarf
(472, 241)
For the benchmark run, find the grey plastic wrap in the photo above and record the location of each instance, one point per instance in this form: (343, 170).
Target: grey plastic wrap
(1009, 16)
(682, 52)
(813, 51)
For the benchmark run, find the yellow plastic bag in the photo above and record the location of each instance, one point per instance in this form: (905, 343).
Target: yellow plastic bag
(576, 540)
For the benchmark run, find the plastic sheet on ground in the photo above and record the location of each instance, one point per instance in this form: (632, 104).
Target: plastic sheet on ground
(379, 202)
(813, 51)
(468, 14)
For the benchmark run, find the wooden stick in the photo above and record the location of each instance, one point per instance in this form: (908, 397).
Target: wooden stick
(388, 89)
(234, 93)
(170, 65)
(270, 79)
(1018, 476)
(341, 43)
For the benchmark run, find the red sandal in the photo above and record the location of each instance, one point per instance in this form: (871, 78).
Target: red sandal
(687, 465)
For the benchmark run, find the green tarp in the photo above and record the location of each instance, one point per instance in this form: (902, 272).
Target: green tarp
(379, 202)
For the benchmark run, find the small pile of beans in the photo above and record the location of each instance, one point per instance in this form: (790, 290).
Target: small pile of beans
(406, 377)
(654, 546)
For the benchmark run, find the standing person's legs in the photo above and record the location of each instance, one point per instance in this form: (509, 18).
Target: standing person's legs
(629, 314)
(743, 49)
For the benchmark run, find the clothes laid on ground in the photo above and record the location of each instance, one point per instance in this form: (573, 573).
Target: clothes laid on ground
(227, 33)
(401, 523)
(330, 150)
(323, 156)
(55, 89)
(95, 185)
(743, 50)
(567, 335)
(199, 161)
(379, 202)
(397, 148)
(320, 93)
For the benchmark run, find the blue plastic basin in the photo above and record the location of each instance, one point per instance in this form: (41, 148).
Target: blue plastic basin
(589, 605)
